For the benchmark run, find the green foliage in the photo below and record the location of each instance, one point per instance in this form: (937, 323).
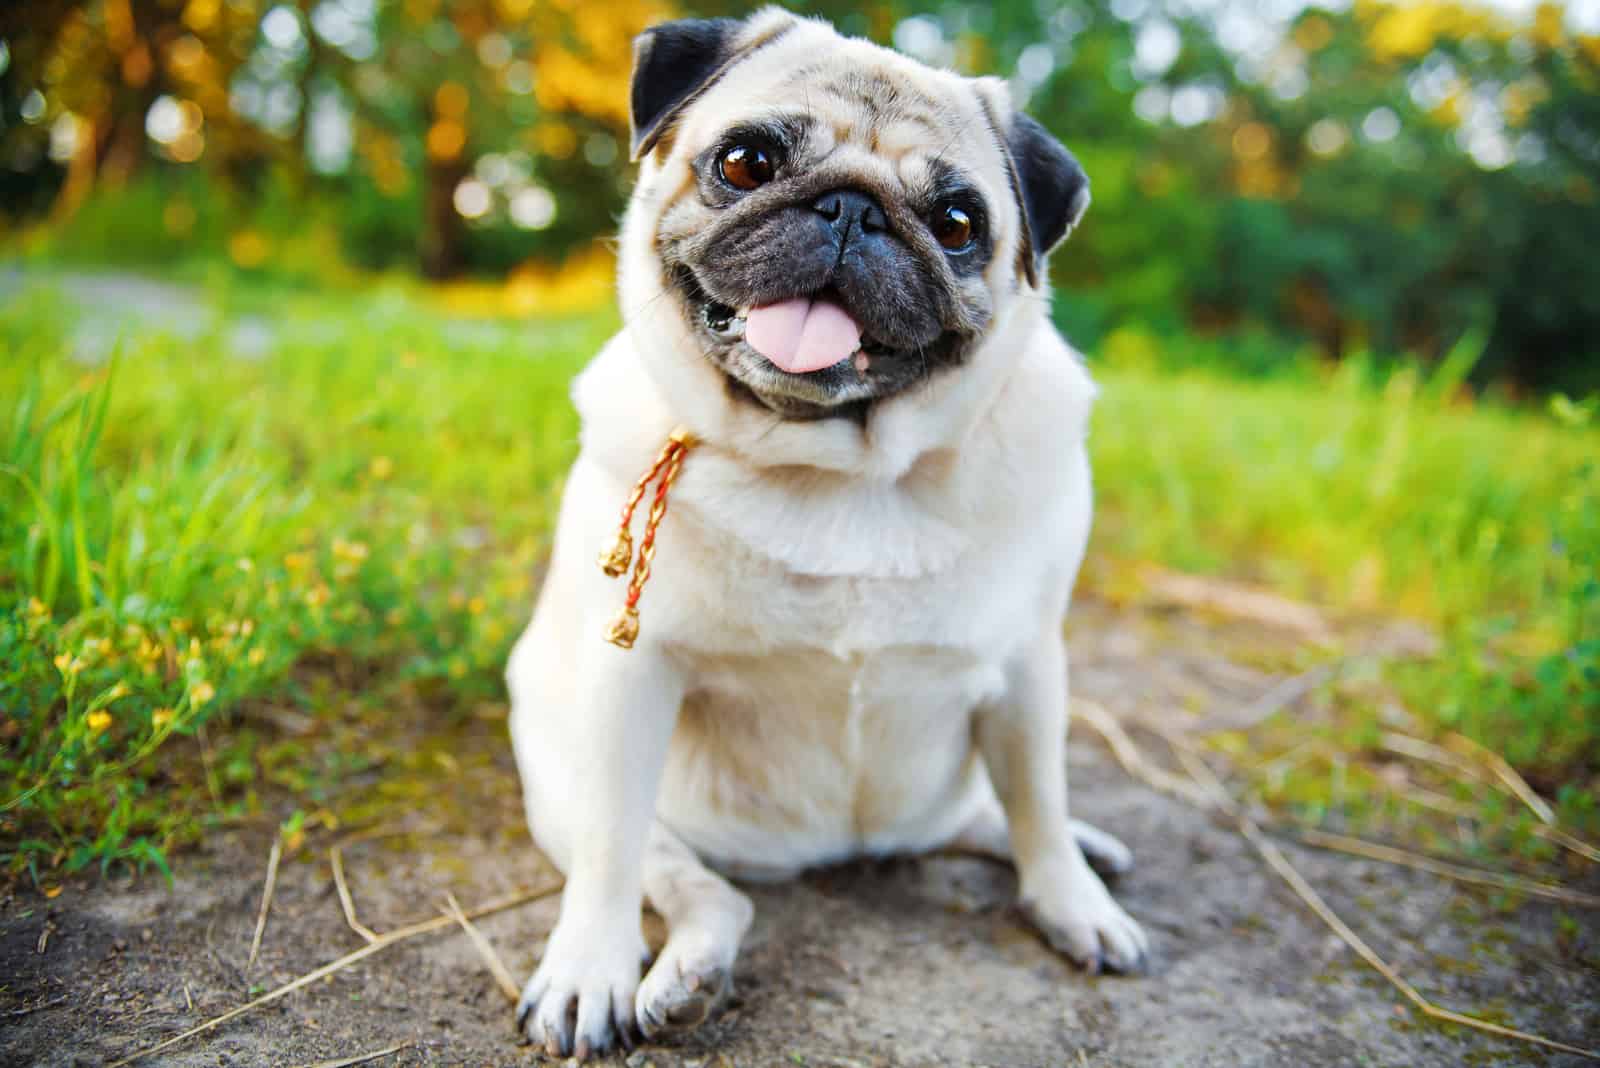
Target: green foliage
(1377, 491)
(174, 221)
(1539, 700)
(1381, 177)
(185, 533)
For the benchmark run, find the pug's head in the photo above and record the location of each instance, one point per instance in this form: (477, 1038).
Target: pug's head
(831, 223)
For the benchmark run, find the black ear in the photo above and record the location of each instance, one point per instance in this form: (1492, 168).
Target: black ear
(1051, 185)
(671, 62)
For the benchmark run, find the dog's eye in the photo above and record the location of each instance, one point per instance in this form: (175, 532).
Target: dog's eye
(952, 227)
(746, 167)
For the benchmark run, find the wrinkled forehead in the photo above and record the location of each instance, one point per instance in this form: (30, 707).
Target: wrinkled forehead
(863, 107)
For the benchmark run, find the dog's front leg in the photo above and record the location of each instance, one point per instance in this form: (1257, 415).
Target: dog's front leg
(1023, 737)
(581, 998)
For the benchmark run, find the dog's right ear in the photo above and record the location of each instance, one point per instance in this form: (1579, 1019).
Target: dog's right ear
(671, 63)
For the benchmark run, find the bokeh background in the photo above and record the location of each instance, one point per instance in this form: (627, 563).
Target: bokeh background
(290, 293)
(1374, 176)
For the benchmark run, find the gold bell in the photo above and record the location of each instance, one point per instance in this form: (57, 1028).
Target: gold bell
(624, 628)
(615, 560)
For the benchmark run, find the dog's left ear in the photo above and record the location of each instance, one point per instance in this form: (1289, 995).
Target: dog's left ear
(1052, 186)
(671, 63)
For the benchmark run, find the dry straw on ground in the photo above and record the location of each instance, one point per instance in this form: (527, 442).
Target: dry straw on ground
(491, 959)
(266, 902)
(363, 1058)
(1460, 873)
(1203, 788)
(346, 902)
(1199, 787)
(381, 942)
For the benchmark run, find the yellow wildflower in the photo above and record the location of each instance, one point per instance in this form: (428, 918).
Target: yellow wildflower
(1548, 26)
(349, 550)
(202, 693)
(98, 720)
(248, 248)
(160, 718)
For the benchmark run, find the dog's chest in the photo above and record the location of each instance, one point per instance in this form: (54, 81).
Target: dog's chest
(835, 648)
(863, 667)
(826, 715)
(799, 756)
(725, 597)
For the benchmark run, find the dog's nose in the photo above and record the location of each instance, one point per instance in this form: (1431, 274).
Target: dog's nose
(844, 207)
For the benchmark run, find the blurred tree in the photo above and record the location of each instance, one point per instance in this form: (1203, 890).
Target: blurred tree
(446, 126)
(25, 39)
(482, 99)
(1381, 176)
(1403, 173)
(91, 72)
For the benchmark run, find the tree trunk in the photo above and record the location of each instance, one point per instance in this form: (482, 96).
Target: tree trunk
(81, 171)
(442, 226)
(124, 153)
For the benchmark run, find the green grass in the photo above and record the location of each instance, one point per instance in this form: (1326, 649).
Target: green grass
(184, 532)
(1383, 498)
(189, 537)
(1380, 492)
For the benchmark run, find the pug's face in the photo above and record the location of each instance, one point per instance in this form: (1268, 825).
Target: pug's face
(834, 222)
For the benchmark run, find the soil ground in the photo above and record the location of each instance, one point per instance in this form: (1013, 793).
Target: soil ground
(919, 961)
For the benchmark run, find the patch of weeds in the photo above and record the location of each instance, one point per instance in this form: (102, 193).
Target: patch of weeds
(1375, 494)
(186, 537)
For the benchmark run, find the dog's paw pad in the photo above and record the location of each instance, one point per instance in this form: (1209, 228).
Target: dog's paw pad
(680, 1000)
(1096, 939)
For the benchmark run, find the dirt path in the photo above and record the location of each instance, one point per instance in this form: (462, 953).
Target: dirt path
(908, 962)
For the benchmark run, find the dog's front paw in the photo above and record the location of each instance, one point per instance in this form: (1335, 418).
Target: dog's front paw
(684, 987)
(580, 999)
(1072, 908)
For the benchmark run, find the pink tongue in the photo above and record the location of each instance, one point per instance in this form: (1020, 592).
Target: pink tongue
(802, 335)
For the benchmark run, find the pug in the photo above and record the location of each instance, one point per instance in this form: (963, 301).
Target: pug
(832, 273)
